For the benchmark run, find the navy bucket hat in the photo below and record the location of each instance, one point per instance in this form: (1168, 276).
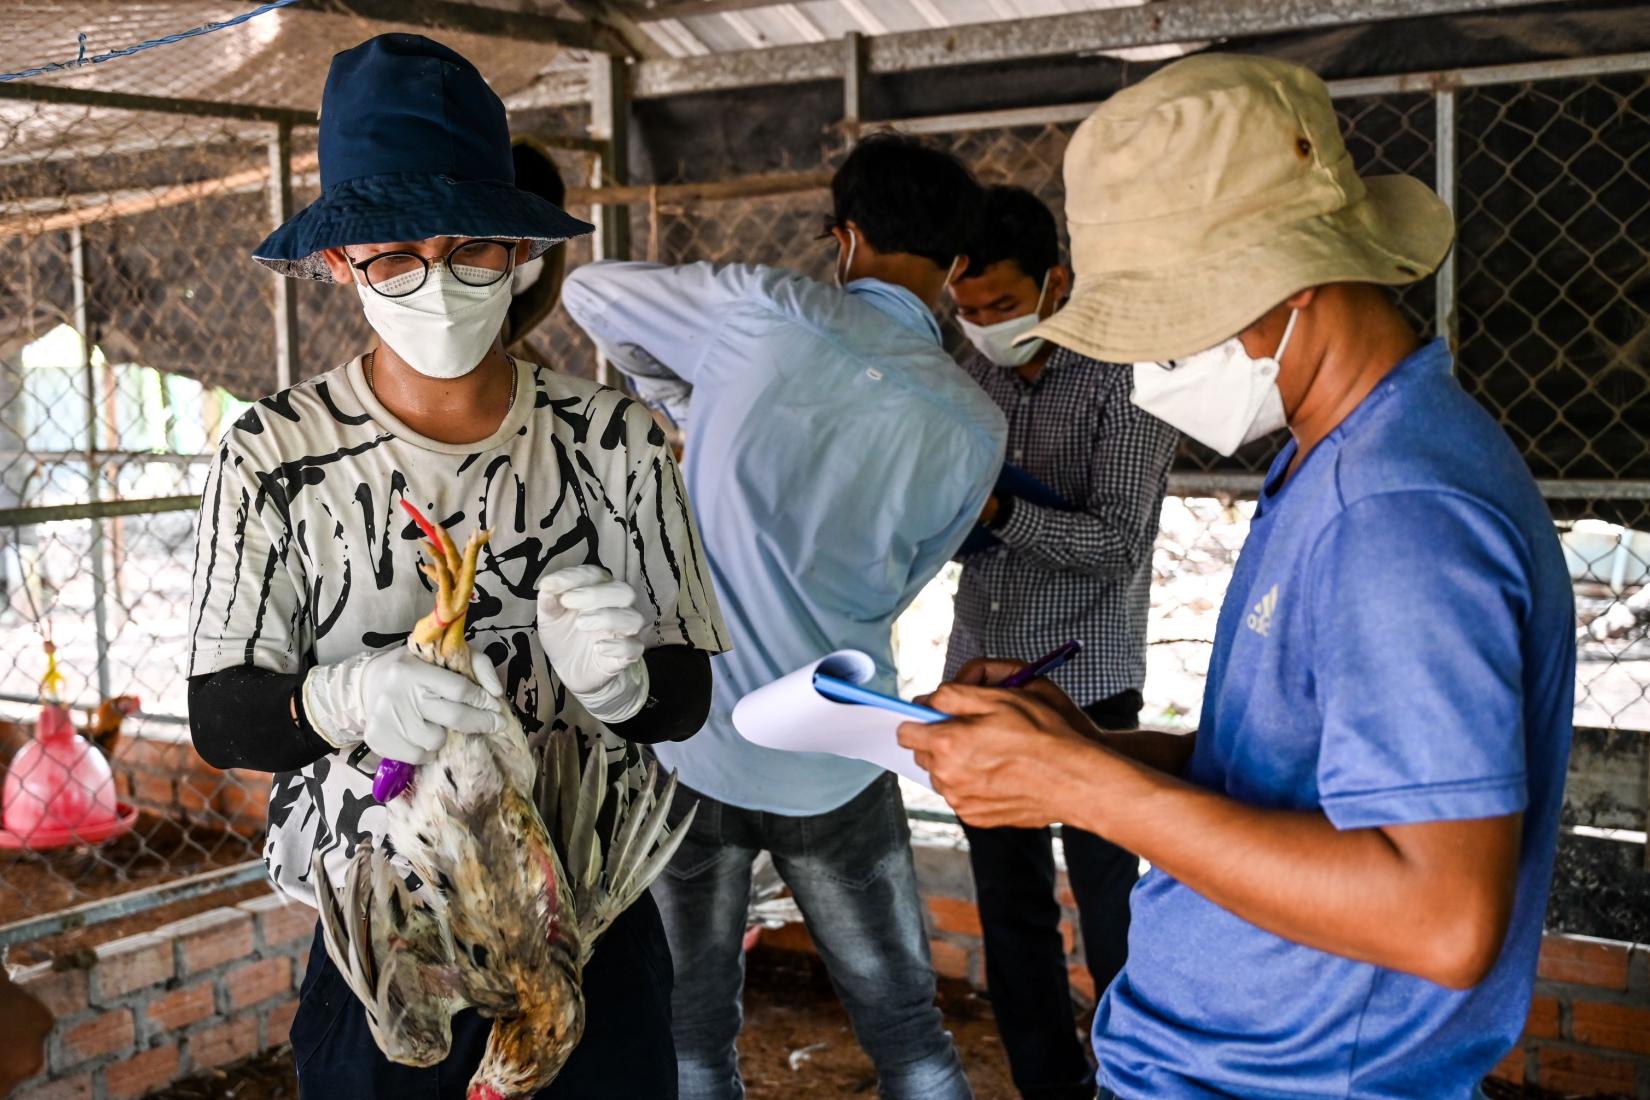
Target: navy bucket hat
(413, 144)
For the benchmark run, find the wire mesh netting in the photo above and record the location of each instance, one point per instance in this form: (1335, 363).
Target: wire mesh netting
(134, 229)
(134, 331)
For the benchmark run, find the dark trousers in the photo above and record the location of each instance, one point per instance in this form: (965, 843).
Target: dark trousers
(1025, 958)
(626, 1050)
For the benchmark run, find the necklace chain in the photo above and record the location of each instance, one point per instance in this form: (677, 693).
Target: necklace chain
(372, 360)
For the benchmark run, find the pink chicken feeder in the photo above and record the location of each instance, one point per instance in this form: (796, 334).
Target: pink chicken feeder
(60, 791)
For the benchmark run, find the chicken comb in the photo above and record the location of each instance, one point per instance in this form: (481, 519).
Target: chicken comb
(424, 525)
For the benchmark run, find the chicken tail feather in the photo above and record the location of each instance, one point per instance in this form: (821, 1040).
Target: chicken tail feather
(395, 956)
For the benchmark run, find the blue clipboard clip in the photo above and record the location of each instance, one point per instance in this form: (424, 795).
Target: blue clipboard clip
(843, 691)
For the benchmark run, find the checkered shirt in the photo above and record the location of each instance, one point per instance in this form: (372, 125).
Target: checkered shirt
(1083, 574)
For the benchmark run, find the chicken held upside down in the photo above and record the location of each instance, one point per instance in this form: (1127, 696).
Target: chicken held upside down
(522, 880)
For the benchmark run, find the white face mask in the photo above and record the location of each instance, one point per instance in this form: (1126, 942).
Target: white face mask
(445, 327)
(996, 342)
(526, 275)
(1221, 397)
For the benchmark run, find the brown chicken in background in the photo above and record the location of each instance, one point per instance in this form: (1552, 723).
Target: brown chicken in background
(103, 730)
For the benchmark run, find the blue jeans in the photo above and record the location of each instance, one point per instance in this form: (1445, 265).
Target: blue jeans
(853, 877)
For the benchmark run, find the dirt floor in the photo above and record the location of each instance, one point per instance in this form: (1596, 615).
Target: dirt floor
(157, 850)
(796, 1045)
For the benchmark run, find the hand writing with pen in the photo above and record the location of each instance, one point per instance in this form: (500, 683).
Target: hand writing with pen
(1006, 751)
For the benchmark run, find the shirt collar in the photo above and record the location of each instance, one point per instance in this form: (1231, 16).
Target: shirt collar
(1431, 358)
(898, 304)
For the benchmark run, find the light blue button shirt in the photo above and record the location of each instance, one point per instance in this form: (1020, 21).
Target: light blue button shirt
(837, 458)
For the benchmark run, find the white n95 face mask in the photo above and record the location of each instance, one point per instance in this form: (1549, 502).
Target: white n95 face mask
(444, 328)
(1220, 397)
(526, 275)
(996, 342)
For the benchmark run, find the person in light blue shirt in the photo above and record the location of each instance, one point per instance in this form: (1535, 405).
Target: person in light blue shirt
(836, 458)
(1352, 854)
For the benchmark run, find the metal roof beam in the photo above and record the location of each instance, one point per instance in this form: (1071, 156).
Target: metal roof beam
(1169, 22)
(616, 26)
(168, 105)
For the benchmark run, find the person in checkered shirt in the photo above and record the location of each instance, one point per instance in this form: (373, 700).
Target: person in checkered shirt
(1069, 558)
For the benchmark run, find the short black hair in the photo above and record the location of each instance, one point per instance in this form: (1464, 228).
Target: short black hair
(1016, 226)
(536, 172)
(905, 195)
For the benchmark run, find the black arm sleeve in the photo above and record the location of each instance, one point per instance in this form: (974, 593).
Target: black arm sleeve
(678, 698)
(242, 718)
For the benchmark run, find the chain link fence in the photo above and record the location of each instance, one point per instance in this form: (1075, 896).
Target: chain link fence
(134, 227)
(134, 331)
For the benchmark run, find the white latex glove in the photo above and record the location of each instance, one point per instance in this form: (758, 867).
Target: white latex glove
(400, 706)
(591, 633)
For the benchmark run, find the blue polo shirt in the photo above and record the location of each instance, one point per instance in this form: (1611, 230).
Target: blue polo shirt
(1397, 646)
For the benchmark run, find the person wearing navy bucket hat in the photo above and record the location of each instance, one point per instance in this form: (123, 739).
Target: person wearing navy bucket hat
(593, 614)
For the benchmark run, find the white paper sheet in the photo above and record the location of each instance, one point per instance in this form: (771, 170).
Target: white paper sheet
(790, 715)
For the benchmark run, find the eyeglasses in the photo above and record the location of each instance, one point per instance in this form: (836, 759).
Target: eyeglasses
(477, 262)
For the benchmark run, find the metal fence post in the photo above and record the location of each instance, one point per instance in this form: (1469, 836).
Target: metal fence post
(286, 302)
(854, 83)
(1444, 153)
(610, 124)
(94, 468)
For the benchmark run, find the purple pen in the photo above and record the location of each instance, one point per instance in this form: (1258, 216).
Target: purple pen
(1038, 669)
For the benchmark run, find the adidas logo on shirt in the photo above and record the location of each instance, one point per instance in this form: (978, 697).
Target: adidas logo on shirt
(1260, 619)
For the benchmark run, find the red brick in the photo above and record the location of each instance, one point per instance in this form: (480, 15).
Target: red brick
(1068, 935)
(68, 1088)
(1510, 1068)
(1584, 961)
(109, 1033)
(1618, 1027)
(955, 915)
(243, 800)
(1582, 1072)
(225, 1042)
(280, 921)
(210, 939)
(142, 1073)
(132, 963)
(198, 790)
(1063, 894)
(1543, 1019)
(154, 791)
(1082, 982)
(253, 982)
(950, 961)
(182, 1007)
(63, 992)
(278, 1022)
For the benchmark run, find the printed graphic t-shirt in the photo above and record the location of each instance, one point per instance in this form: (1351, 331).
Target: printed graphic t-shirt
(1397, 646)
(305, 557)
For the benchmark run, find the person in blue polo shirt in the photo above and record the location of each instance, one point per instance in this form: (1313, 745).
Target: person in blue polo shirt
(1351, 856)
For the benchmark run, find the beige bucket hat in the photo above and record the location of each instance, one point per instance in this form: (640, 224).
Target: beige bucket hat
(1211, 191)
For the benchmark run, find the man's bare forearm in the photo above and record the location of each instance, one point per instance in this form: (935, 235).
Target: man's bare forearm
(1160, 749)
(1365, 894)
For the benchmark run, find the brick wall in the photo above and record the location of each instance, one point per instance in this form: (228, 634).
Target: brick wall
(167, 778)
(140, 1012)
(1589, 1027)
